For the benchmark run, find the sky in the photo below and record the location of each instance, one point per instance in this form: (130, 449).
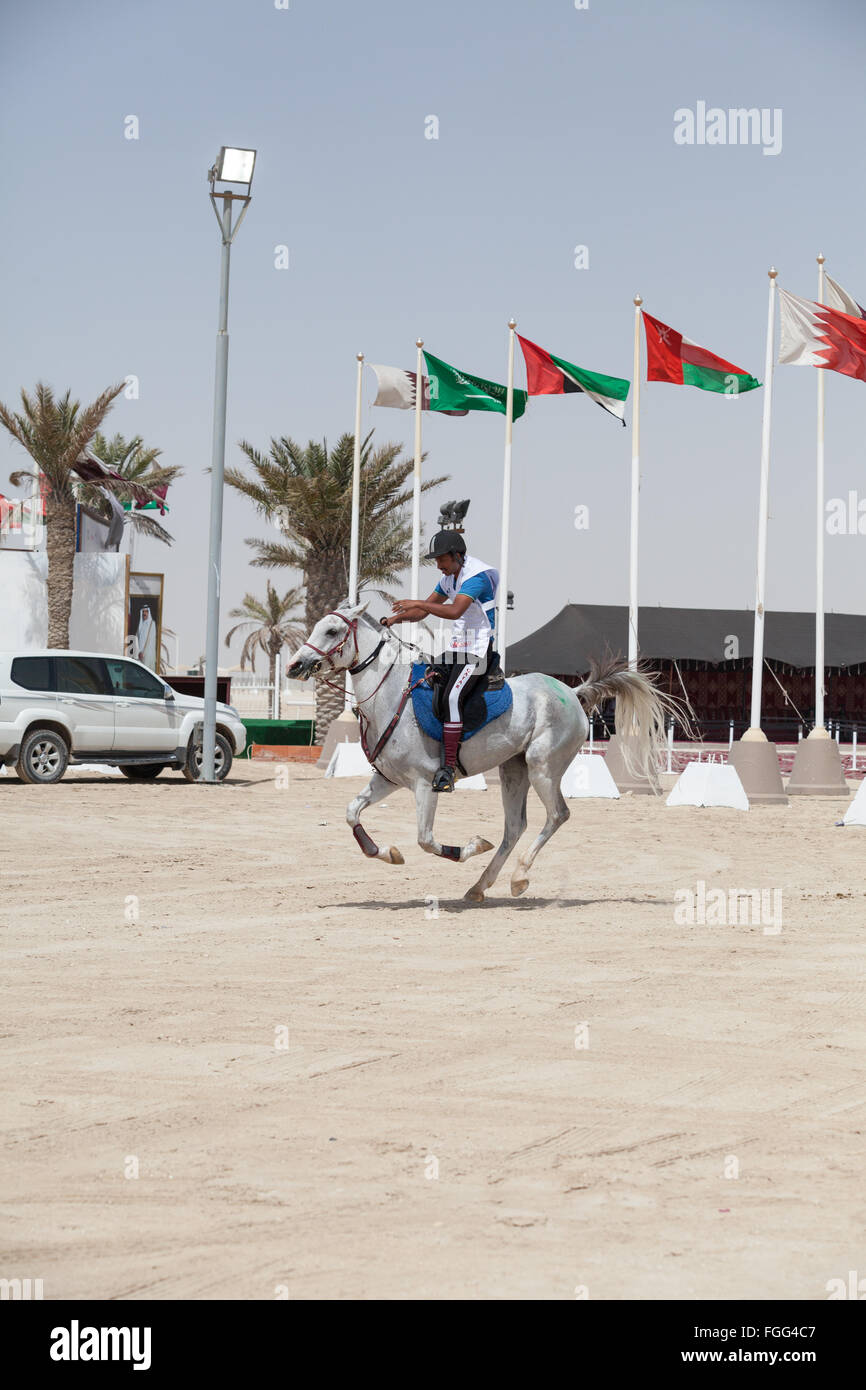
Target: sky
(555, 130)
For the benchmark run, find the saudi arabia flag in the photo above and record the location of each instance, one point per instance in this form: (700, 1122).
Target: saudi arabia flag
(673, 358)
(547, 375)
(451, 390)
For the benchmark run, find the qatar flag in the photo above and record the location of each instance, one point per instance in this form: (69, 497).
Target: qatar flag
(814, 335)
(397, 388)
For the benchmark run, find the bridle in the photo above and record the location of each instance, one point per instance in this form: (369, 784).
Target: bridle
(357, 666)
(351, 631)
(355, 669)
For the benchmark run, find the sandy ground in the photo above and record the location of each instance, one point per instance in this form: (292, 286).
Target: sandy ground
(337, 1081)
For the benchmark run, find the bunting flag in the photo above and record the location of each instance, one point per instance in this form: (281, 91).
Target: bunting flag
(673, 358)
(547, 375)
(452, 390)
(91, 469)
(397, 388)
(814, 335)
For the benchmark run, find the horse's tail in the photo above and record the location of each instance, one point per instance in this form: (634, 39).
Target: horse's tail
(640, 711)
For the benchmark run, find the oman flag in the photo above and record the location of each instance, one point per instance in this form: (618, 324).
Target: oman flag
(547, 375)
(671, 357)
(815, 336)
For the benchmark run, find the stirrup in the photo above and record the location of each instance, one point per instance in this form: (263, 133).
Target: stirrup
(444, 779)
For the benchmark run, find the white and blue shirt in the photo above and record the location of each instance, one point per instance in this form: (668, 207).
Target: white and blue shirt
(475, 630)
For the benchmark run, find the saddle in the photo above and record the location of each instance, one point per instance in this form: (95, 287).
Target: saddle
(475, 708)
(490, 698)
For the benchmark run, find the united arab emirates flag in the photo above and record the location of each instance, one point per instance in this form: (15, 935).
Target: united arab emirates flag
(547, 375)
(452, 390)
(673, 358)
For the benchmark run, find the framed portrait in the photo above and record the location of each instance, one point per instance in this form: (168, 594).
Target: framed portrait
(144, 618)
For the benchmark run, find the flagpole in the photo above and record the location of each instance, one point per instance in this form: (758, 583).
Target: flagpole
(356, 488)
(763, 513)
(416, 485)
(753, 757)
(635, 495)
(817, 769)
(819, 535)
(356, 495)
(506, 499)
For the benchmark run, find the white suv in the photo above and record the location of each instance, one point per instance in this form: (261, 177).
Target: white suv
(58, 707)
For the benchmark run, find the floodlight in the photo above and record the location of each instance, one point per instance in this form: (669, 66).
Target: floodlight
(235, 166)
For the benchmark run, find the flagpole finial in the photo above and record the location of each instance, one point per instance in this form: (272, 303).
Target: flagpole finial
(820, 258)
(359, 356)
(772, 272)
(637, 301)
(512, 324)
(419, 342)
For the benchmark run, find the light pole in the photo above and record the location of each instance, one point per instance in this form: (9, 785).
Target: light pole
(234, 167)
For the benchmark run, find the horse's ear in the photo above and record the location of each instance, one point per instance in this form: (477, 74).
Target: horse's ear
(355, 610)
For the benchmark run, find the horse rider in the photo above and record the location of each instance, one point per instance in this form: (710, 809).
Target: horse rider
(465, 595)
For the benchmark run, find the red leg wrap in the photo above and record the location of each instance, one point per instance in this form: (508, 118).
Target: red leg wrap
(370, 848)
(451, 736)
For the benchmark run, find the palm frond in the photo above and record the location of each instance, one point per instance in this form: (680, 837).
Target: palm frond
(309, 492)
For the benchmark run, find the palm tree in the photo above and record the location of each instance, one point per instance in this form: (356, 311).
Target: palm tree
(54, 433)
(272, 627)
(132, 461)
(308, 493)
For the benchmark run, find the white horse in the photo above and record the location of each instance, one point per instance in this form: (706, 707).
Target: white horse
(532, 743)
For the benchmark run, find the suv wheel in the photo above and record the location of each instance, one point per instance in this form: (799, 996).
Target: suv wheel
(142, 772)
(44, 756)
(222, 760)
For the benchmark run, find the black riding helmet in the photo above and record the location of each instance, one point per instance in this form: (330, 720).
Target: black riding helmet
(446, 543)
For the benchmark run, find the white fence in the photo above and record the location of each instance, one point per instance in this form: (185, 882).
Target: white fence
(253, 696)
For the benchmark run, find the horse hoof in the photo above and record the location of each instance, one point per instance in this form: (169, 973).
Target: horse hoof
(475, 895)
(393, 856)
(476, 845)
(518, 886)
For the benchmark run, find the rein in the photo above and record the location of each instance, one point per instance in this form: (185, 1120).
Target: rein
(363, 721)
(354, 670)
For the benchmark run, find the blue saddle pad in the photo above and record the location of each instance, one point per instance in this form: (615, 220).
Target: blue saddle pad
(496, 703)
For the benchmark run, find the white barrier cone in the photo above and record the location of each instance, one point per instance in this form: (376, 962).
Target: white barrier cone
(588, 775)
(348, 760)
(709, 784)
(473, 784)
(856, 813)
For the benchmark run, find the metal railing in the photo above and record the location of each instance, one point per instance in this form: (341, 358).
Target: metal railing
(254, 698)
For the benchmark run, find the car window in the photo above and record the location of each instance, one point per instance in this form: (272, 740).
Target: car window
(129, 679)
(82, 675)
(33, 672)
